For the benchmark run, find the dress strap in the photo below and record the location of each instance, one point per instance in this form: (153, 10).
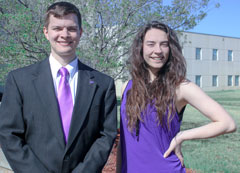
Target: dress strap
(127, 87)
(180, 114)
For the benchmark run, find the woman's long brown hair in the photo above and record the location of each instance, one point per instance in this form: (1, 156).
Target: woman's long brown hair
(162, 91)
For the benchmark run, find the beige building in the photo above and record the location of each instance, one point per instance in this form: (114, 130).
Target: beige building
(213, 62)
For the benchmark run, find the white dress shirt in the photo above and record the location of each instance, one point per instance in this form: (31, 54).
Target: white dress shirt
(73, 77)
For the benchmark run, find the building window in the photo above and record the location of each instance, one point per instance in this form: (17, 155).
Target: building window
(214, 80)
(215, 55)
(183, 51)
(198, 79)
(198, 53)
(230, 55)
(230, 80)
(237, 80)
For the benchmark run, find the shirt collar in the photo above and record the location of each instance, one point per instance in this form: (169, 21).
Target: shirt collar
(72, 67)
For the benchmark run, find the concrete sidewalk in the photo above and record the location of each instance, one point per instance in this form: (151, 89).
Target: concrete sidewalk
(4, 166)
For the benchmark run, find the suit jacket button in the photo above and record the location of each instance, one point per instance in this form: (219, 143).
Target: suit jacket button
(66, 158)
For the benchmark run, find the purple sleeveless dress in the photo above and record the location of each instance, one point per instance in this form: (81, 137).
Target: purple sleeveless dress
(145, 155)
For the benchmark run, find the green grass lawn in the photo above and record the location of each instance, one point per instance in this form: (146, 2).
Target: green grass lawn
(214, 155)
(220, 154)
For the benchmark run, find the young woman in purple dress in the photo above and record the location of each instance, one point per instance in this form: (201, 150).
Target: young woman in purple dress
(153, 102)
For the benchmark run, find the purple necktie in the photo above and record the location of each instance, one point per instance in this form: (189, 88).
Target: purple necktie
(65, 101)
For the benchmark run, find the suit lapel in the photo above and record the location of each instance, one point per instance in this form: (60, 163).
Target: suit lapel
(46, 92)
(86, 88)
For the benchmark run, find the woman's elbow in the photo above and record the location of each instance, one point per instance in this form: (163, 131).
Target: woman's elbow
(232, 127)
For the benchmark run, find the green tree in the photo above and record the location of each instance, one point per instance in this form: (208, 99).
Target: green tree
(22, 42)
(108, 29)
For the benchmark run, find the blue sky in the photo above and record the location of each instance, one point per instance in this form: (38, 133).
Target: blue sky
(224, 20)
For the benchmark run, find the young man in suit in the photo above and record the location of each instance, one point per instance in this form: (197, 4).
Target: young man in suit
(58, 115)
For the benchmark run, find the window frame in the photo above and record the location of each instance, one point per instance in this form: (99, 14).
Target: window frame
(215, 55)
(198, 78)
(230, 80)
(215, 80)
(200, 53)
(230, 55)
(236, 82)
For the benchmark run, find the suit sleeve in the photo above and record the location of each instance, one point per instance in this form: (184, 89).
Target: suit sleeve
(99, 152)
(12, 131)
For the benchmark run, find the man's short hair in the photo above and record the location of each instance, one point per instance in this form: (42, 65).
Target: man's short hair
(60, 9)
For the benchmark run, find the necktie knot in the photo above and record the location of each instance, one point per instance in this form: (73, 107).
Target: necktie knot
(63, 72)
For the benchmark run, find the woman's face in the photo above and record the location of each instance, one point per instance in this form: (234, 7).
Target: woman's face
(155, 49)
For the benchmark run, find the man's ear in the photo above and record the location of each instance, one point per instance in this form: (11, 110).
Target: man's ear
(45, 31)
(81, 31)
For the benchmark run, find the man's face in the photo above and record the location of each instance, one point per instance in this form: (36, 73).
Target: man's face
(64, 35)
(155, 49)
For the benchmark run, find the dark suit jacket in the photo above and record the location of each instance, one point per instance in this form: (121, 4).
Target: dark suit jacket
(31, 134)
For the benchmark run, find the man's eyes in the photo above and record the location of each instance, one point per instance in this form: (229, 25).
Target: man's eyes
(72, 29)
(56, 29)
(68, 29)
